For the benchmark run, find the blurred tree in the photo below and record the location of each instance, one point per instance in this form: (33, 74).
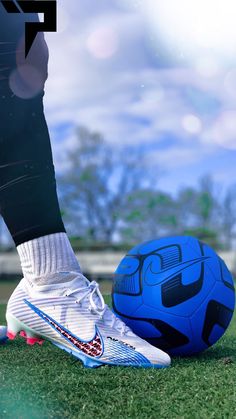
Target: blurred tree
(110, 195)
(228, 217)
(149, 214)
(186, 208)
(207, 209)
(198, 211)
(199, 207)
(95, 186)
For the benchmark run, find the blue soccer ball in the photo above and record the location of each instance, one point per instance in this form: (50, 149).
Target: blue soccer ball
(176, 293)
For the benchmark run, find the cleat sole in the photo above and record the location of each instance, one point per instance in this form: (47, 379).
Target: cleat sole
(87, 362)
(15, 327)
(31, 339)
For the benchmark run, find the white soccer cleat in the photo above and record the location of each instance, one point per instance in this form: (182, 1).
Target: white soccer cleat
(74, 317)
(3, 334)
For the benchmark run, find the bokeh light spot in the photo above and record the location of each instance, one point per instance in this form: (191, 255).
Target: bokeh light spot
(192, 124)
(103, 43)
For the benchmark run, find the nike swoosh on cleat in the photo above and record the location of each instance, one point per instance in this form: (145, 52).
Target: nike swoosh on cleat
(92, 347)
(154, 278)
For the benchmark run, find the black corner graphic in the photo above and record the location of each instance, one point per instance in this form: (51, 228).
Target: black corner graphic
(48, 8)
(10, 6)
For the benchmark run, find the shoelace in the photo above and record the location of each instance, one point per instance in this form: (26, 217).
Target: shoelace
(90, 291)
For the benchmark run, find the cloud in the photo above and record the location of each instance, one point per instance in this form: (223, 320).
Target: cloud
(104, 74)
(223, 130)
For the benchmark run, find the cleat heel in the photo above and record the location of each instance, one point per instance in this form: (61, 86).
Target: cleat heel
(14, 327)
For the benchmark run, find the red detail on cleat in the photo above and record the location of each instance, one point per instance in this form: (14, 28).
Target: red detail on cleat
(33, 341)
(11, 335)
(30, 340)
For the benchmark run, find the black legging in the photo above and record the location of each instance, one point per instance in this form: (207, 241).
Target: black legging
(28, 198)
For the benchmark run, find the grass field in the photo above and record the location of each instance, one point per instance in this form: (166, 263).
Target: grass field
(44, 382)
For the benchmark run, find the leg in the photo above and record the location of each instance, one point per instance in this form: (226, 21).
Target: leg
(54, 299)
(28, 197)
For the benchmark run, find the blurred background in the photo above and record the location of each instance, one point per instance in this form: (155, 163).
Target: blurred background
(141, 108)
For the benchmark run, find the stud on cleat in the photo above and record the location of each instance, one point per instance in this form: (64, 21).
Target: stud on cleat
(11, 335)
(32, 341)
(30, 338)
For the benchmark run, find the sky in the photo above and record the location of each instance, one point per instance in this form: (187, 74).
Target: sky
(148, 74)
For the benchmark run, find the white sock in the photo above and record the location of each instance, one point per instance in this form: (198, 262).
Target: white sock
(46, 259)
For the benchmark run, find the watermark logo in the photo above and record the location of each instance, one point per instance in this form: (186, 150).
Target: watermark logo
(47, 7)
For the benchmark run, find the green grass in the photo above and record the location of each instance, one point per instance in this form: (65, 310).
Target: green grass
(45, 382)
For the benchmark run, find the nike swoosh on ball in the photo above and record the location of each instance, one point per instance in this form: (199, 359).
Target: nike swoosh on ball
(153, 278)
